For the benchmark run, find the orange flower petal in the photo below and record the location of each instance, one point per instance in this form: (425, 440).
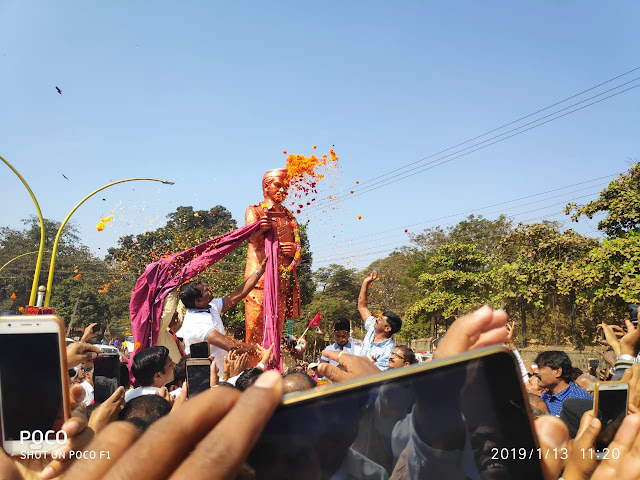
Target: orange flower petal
(21, 309)
(13, 296)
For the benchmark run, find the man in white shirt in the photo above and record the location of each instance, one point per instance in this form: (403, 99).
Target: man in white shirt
(341, 332)
(152, 369)
(202, 321)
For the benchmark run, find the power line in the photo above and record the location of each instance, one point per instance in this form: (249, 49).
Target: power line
(506, 124)
(420, 168)
(393, 249)
(364, 237)
(329, 259)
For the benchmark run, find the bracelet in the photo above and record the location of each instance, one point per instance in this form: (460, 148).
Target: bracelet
(257, 272)
(261, 366)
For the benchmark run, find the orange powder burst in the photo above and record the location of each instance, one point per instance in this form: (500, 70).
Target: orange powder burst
(304, 172)
(103, 222)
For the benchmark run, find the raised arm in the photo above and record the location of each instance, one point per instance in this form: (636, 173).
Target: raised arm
(362, 298)
(244, 288)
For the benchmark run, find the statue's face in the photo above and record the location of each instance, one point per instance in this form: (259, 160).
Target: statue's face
(277, 189)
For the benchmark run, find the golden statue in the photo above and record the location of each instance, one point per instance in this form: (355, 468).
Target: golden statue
(275, 184)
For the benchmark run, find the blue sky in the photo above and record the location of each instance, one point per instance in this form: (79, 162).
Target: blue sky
(208, 94)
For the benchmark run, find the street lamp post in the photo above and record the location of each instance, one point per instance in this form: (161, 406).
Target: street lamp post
(36, 274)
(54, 250)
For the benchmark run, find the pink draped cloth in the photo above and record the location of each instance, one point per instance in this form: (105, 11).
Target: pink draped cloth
(164, 275)
(270, 303)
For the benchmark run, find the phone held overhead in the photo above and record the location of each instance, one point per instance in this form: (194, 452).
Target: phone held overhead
(610, 404)
(34, 383)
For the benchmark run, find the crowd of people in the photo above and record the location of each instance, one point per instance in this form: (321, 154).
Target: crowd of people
(152, 428)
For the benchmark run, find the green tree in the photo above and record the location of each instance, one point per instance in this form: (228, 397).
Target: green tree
(336, 296)
(620, 202)
(455, 283)
(73, 259)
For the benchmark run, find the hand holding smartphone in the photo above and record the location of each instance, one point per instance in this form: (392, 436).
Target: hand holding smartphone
(610, 403)
(198, 375)
(34, 383)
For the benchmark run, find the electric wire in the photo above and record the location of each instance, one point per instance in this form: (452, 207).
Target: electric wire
(387, 180)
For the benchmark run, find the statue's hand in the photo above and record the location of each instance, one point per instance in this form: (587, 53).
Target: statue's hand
(265, 224)
(288, 249)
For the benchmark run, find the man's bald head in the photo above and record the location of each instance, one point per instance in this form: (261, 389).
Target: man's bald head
(587, 383)
(296, 382)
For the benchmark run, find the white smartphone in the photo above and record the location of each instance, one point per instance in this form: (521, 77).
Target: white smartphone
(34, 384)
(610, 403)
(198, 379)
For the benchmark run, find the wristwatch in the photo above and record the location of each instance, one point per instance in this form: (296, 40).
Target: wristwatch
(625, 357)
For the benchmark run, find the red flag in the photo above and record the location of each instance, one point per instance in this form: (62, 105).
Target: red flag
(316, 320)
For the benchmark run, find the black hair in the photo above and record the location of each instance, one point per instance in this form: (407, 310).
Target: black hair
(103, 387)
(394, 321)
(297, 381)
(189, 293)
(575, 373)
(248, 378)
(179, 373)
(342, 324)
(556, 359)
(408, 354)
(142, 411)
(148, 362)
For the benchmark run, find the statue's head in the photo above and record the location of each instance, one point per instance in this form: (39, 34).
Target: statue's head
(275, 184)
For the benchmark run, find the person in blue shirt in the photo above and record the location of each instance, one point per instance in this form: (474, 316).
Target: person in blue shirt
(554, 373)
(378, 342)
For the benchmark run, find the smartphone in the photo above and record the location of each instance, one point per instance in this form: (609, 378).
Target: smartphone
(107, 365)
(34, 384)
(462, 417)
(199, 350)
(610, 401)
(593, 363)
(198, 375)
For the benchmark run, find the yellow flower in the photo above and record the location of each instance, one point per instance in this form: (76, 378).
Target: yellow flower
(263, 205)
(196, 214)
(296, 239)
